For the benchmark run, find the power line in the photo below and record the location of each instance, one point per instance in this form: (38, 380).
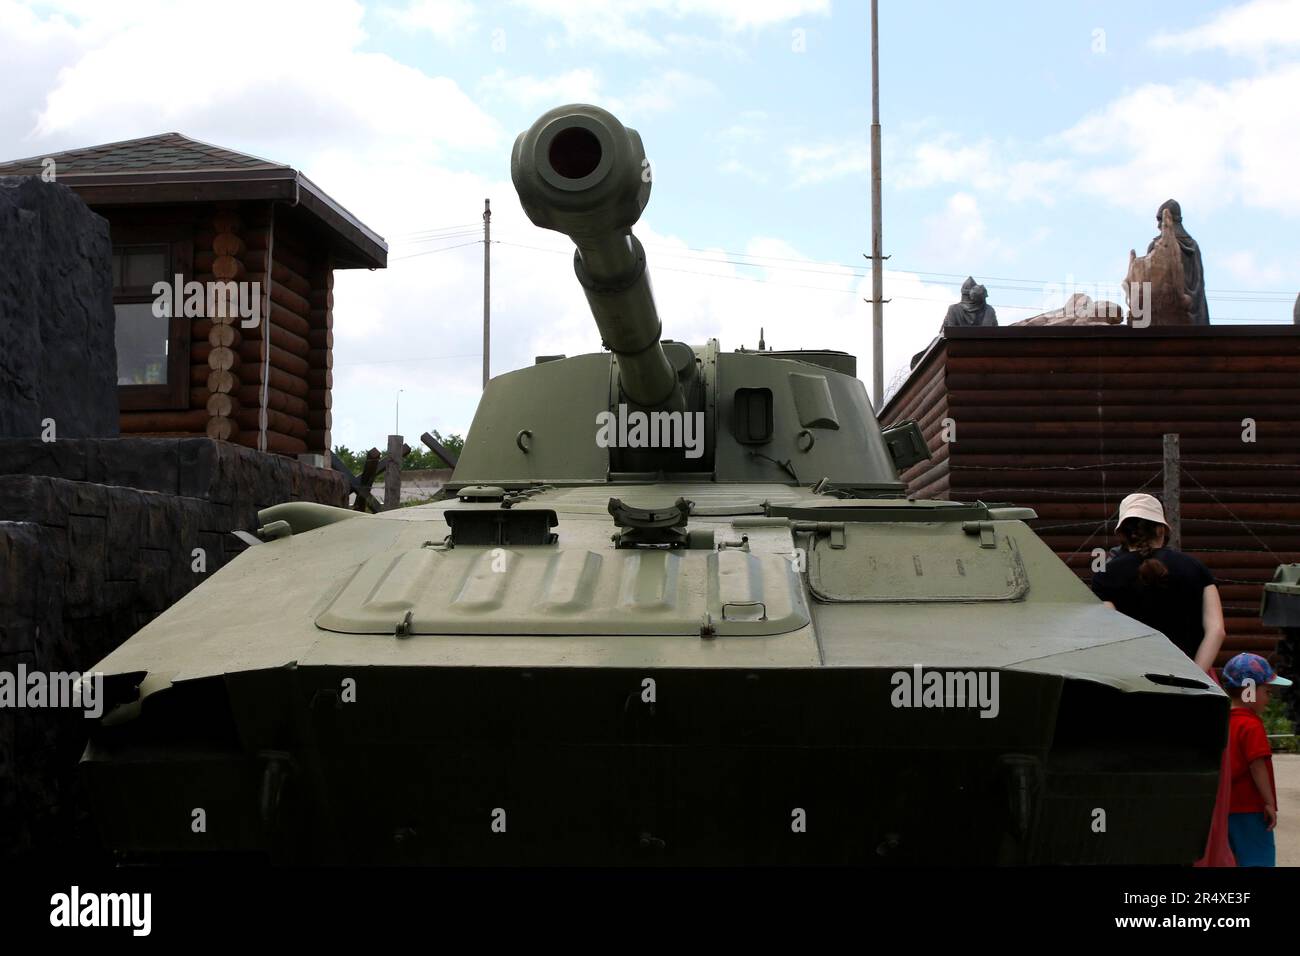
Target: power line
(402, 361)
(834, 269)
(429, 232)
(429, 252)
(1034, 309)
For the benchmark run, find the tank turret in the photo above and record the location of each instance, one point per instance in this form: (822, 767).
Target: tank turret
(579, 171)
(655, 408)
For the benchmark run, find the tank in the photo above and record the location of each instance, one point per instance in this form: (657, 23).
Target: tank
(675, 606)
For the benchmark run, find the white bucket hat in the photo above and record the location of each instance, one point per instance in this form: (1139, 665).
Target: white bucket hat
(1141, 506)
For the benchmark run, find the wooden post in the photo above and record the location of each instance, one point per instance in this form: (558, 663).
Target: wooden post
(1173, 504)
(393, 474)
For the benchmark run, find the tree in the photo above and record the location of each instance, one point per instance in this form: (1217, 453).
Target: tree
(350, 458)
(420, 457)
(426, 458)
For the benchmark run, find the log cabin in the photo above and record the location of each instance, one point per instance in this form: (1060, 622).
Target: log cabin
(241, 348)
(1068, 420)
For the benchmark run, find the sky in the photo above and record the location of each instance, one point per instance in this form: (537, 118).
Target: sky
(1025, 143)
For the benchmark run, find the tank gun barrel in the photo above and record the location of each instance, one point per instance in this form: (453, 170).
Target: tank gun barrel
(579, 171)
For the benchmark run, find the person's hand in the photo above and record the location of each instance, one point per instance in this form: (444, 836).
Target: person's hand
(1270, 814)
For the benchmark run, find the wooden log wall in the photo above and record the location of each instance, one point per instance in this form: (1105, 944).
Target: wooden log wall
(320, 337)
(922, 398)
(272, 259)
(216, 339)
(1069, 421)
(243, 243)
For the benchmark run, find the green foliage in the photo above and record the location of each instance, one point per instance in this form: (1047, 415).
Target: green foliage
(425, 458)
(420, 457)
(350, 458)
(1275, 722)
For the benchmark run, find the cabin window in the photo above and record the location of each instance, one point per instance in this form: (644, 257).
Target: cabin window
(152, 343)
(143, 323)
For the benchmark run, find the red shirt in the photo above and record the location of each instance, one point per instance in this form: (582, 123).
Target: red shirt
(1247, 741)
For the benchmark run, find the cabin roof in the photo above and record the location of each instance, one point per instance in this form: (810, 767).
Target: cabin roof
(173, 168)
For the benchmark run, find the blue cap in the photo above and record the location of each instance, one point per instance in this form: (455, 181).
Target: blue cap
(1251, 667)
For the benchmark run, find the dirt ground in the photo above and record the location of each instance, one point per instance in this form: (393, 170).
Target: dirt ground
(1286, 774)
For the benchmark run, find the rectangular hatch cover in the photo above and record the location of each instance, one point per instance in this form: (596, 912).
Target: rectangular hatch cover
(648, 591)
(917, 563)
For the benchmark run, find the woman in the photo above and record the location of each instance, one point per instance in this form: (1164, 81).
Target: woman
(1170, 591)
(1175, 594)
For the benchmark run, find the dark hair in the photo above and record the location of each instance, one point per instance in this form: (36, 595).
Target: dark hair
(1141, 535)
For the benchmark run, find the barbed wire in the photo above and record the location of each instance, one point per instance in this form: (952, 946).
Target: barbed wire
(1248, 464)
(1100, 464)
(1086, 522)
(1239, 521)
(1076, 493)
(1121, 464)
(1105, 522)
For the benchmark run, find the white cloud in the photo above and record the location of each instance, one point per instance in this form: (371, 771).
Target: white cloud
(654, 94)
(821, 162)
(448, 20)
(618, 27)
(944, 161)
(663, 92)
(573, 86)
(1249, 29)
(1208, 146)
(1246, 268)
(734, 167)
(740, 143)
(318, 89)
(958, 234)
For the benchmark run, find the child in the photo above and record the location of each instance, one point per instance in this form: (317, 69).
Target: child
(1252, 812)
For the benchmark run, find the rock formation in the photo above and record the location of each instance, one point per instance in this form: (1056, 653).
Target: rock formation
(58, 359)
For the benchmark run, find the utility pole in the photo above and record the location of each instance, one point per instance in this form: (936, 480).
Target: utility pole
(487, 289)
(877, 261)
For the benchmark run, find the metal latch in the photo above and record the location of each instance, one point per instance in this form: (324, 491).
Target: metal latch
(986, 531)
(829, 529)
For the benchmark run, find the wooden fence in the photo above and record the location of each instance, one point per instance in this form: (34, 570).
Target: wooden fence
(1070, 420)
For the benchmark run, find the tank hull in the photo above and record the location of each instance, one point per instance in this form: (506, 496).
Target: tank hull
(726, 766)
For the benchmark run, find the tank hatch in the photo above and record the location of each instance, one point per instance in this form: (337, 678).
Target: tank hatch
(652, 591)
(917, 563)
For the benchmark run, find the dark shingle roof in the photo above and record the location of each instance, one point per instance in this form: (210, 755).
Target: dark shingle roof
(171, 168)
(164, 153)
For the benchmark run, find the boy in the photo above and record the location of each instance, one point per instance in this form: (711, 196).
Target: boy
(1252, 812)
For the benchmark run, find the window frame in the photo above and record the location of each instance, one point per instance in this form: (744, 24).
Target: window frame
(179, 243)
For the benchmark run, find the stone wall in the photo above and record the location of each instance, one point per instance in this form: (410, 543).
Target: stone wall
(98, 537)
(58, 357)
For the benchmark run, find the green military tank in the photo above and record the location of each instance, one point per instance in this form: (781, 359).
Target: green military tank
(676, 607)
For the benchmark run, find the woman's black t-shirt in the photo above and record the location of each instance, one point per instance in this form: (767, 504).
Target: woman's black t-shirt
(1171, 606)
